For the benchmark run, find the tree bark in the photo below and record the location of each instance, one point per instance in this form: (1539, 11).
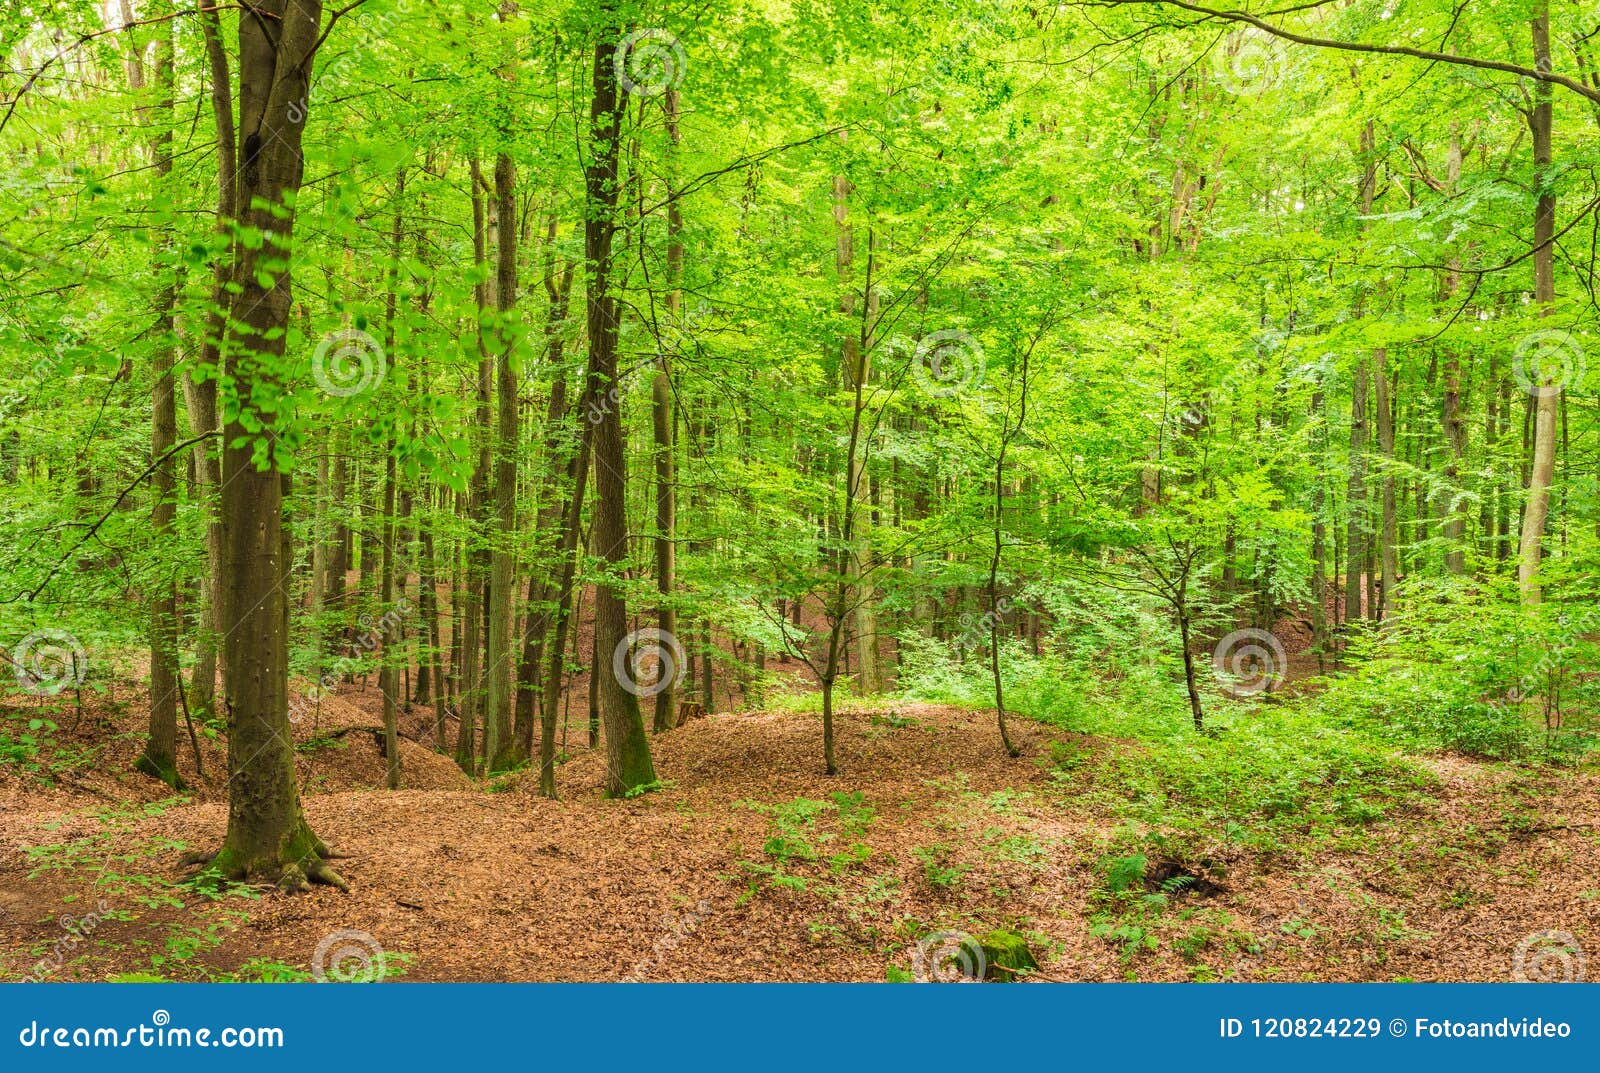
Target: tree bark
(160, 756)
(663, 425)
(1536, 513)
(267, 836)
(629, 767)
(500, 745)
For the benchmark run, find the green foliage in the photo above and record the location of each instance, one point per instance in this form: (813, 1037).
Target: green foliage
(939, 865)
(798, 838)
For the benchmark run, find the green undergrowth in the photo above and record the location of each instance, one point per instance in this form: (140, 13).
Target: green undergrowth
(1272, 776)
(120, 910)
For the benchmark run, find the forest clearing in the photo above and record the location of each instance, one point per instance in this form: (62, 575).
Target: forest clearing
(929, 492)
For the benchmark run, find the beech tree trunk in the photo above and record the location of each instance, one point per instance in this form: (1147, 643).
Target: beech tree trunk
(1537, 511)
(160, 756)
(663, 424)
(500, 745)
(628, 763)
(267, 836)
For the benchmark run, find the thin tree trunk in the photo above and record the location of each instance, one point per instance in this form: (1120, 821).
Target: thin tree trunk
(160, 756)
(1536, 513)
(500, 745)
(663, 425)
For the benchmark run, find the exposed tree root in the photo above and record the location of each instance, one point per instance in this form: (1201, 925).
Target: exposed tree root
(300, 862)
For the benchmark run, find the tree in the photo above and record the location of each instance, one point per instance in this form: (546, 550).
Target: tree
(267, 837)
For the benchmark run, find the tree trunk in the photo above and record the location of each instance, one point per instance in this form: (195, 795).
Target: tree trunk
(160, 756)
(663, 425)
(628, 764)
(267, 836)
(1389, 536)
(500, 745)
(1535, 514)
(1356, 497)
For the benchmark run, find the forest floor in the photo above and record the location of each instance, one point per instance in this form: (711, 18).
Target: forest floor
(750, 864)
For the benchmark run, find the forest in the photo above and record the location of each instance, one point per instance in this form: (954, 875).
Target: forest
(921, 491)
